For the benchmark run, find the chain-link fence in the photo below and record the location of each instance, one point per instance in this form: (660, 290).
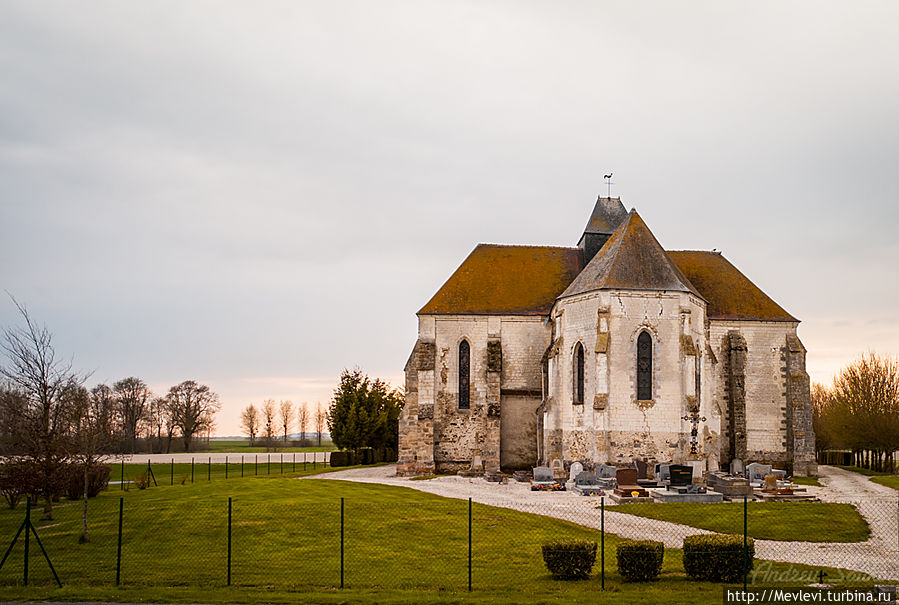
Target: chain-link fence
(436, 544)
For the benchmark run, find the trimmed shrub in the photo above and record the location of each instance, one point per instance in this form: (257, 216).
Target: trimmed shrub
(342, 458)
(97, 480)
(368, 455)
(640, 560)
(717, 557)
(570, 559)
(17, 479)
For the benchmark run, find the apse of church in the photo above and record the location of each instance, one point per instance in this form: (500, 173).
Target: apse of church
(612, 350)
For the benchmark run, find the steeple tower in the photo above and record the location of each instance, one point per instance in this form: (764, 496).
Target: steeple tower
(607, 214)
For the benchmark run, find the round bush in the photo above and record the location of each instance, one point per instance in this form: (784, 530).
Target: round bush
(640, 560)
(717, 557)
(570, 559)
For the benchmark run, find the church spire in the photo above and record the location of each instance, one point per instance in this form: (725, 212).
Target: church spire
(607, 214)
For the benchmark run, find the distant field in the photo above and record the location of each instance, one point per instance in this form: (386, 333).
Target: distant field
(241, 446)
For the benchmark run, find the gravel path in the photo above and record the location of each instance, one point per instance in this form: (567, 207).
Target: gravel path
(879, 556)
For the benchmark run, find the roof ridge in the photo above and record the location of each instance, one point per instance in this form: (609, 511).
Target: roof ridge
(528, 246)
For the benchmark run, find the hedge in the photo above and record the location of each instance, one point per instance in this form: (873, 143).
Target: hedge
(717, 557)
(640, 560)
(570, 559)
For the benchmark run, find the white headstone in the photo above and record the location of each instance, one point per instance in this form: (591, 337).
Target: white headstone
(576, 469)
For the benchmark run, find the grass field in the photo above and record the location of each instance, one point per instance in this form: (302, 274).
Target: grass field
(887, 479)
(804, 521)
(807, 481)
(242, 446)
(400, 545)
(252, 465)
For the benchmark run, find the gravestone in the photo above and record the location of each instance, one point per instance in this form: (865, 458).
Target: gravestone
(605, 471)
(641, 468)
(663, 473)
(477, 463)
(586, 484)
(698, 467)
(627, 484)
(736, 467)
(770, 484)
(681, 475)
(543, 473)
(558, 468)
(576, 469)
(756, 472)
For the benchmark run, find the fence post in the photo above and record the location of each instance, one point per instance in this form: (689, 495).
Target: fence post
(268, 464)
(172, 473)
(256, 464)
(294, 462)
(241, 465)
(27, 534)
(304, 462)
(226, 467)
(341, 542)
(118, 556)
(209, 469)
(469, 545)
(229, 541)
(122, 482)
(191, 469)
(745, 547)
(602, 543)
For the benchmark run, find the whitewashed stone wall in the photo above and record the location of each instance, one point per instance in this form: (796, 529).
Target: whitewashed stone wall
(612, 426)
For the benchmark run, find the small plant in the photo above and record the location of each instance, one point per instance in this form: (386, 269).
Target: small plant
(184, 479)
(717, 557)
(640, 560)
(142, 480)
(570, 559)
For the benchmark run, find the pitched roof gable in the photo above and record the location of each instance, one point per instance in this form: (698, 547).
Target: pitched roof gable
(729, 293)
(507, 280)
(632, 259)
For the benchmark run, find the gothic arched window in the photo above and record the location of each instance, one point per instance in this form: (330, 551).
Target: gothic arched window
(644, 366)
(464, 375)
(577, 371)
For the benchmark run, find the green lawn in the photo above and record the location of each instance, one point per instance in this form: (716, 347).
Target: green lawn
(400, 545)
(807, 481)
(249, 465)
(242, 446)
(804, 521)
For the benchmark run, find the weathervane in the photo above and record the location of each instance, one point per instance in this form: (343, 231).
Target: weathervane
(608, 179)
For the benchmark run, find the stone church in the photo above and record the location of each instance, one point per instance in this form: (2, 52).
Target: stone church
(601, 353)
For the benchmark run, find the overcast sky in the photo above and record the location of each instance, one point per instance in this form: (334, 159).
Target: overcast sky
(257, 195)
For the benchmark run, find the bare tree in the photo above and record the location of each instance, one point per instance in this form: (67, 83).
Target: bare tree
(132, 398)
(249, 419)
(93, 434)
(192, 407)
(321, 419)
(286, 409)
(33, 371)
(157, 420)
(268, 421)
(302, 421)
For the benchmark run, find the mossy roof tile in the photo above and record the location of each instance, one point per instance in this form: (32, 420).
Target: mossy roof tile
(507, 280)
(729, 293)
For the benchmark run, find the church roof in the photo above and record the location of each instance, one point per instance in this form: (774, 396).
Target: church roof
(507, 280)
(632, 259)
(607, 214)
(729, 293)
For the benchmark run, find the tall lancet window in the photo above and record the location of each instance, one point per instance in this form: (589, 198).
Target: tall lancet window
(644, 366)
(464, 375)
(577, 371)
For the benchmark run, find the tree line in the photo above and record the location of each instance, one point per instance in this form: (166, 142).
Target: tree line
(271, 424)
(860, 412)
(54, 431)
